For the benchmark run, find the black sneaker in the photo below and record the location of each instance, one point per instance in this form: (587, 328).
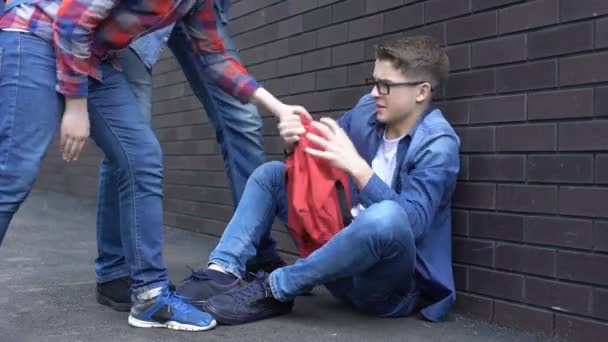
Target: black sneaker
(199, 287)
(115, 294)
(249, 303)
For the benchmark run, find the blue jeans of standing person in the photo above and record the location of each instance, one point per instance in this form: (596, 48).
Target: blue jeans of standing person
(237, 129)
(369, 264)
(31, 110)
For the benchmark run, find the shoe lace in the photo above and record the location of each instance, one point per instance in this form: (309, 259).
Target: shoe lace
(252, 290)
(197, 275)
(177, 302)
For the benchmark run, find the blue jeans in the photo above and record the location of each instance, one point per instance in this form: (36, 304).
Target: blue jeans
(111, 262)
(135, 158)
(369, 264)
(238, 132)
(237, 126)
(30, 111)
(29, 77)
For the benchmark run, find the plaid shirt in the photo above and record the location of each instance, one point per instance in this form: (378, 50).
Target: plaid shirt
(87, 32)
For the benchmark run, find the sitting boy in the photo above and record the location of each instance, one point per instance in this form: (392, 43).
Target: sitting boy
(403, 159)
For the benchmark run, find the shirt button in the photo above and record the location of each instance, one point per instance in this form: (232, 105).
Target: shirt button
(165, 39)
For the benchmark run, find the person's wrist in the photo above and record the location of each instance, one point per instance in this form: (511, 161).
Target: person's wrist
(361, 172)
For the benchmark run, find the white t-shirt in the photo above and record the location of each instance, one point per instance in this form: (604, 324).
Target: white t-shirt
(384, 164)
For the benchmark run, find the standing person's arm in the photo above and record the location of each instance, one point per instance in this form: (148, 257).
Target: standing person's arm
(227, 72)
(77, 21)
(72, 34)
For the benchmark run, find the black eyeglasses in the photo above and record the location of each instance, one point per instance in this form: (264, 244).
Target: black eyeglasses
(384, 88)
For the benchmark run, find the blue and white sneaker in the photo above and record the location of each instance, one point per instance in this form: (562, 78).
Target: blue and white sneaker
(162, 308)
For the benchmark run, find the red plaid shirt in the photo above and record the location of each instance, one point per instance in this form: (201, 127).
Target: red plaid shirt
(87, 32)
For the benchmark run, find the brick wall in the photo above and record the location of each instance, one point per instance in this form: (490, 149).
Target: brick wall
(529, 98)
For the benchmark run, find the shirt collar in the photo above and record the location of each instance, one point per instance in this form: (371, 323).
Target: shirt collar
(380, 127)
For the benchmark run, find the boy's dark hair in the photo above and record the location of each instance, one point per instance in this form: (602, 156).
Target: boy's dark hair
(418, 57)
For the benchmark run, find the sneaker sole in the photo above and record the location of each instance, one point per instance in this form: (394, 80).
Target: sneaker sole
(236, 321)
(120, 307)
(134, 322)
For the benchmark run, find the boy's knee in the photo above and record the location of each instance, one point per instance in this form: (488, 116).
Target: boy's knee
(144, 162)
(269, 171)
(389, 221)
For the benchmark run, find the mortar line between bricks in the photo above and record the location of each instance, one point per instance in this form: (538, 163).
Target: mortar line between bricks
(349, 20)
(555, 184)
(424, 25)
(534, 306)
(503, 211)
(530, 30)
(531, 275)
(494, 67)
(257, 9)
(525, 92)
(540, 59)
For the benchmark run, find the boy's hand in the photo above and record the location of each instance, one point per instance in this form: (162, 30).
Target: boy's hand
(74, 128)
(338, 149)
(290, 129)
(336, 146)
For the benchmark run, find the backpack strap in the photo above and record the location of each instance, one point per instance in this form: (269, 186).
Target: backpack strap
(347, 218)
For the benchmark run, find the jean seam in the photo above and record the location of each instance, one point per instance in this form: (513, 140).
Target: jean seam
(11, 123)
(132, 181)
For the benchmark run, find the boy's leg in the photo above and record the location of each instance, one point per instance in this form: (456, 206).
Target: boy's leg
(374, 256)
(264, 199)
(119, 129)
(369, 263)
(237, 125)
(112, 271)
(27, 84)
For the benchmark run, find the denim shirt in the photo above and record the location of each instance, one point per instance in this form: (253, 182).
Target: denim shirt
(428, 163)
(150, 46)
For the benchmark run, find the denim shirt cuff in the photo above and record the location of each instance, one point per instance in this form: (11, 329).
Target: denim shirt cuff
(375, 191)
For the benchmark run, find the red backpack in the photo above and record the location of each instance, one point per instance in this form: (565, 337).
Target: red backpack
(318, 197)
